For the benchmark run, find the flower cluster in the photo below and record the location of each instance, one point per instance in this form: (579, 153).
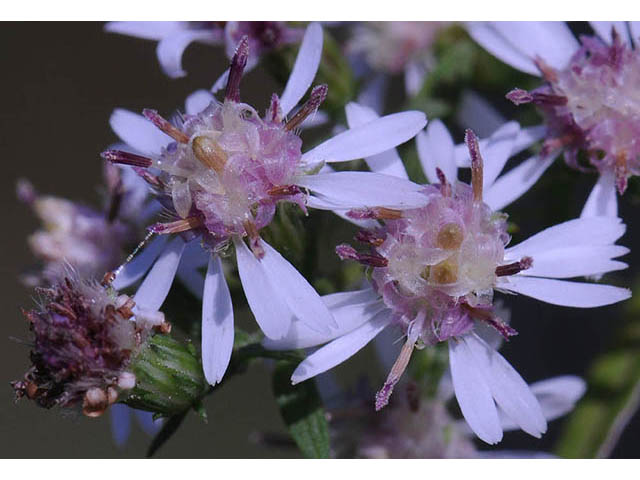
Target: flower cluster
(202, 190)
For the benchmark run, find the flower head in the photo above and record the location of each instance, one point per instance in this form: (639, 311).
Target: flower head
(588, 98)
(220, 173)
(434, 270)
(84, 340)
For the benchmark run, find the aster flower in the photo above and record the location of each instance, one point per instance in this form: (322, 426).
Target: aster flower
(85, 337)
(434, 270)
(174, 37)
(588, 98)
(220, 173)
(419, 427)
(392, 48)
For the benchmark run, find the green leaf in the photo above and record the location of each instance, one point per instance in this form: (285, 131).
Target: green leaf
(302, 412)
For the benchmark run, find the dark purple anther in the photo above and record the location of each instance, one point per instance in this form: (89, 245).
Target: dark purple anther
(345, 251)
(515, 267)
(238, 63)
(471, 140)
(318, 94)
(126, 158)
(166, 126)
(519, 96)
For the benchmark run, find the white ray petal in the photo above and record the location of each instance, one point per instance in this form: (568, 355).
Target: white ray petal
(341, 211)
(136, 268)
(435, 150)
(495, 43)
(388, 162)
(305, 68)
(478, 114)
(603, 29)
(497, 151)
(509, 390)
(217, 323)
(634, 30)
(138, 132)
(155, 287)
(603, 199)
(340, 349)
(363, 189)
(369, 139)
(517, 181)
(551, 41)
(300, 296)
(198, 101)
(589, 231)
(564, 293)
(171, 48)
(352, 310)
(221, 82)
(269, 309)
(473, 393)
(576, 261)
(146, 30)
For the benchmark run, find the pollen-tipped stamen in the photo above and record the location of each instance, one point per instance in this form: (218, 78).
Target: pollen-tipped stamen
(471, 140)
(515, 267)
(126, 158)
(401, 363)
(378, 213)
(165, 125)
(345, 252)
(178, 226)
(254, 238)
(318, 95)
(238, 64)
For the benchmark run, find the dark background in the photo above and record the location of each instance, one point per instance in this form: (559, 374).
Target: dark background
(60, 82)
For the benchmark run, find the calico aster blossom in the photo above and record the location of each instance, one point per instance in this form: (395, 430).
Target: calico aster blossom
(414, 427)
(85, 336)
(221, 171)
(434, 270)
(174, 37)
(589, 97)
(391, 48)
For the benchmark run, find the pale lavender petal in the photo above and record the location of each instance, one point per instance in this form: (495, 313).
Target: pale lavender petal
(435, 150)
(495, 43)
(516, 182)
(363, 189)
(171, 48)
(269, 308)
(300, 296)
(576, 261)
(136, 268)
(634, 30)
(198, 101)
(341, 211)
(146, 421)
(388, 162)
(589, 231)
(603, 199)
(497, 151)
(603, 29)
(217, 323)
(414, 75)
(341, 349)
(138, 132)
(373, 93)
(370, 139)
(120, 416)
(193, 258)
(473, 393)
(551, 41)
(349, 309)
(154, 289)
(476, 113)
(509, 390)
(304, 69)
(564, 293)
(221, 82)
(146, 30)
